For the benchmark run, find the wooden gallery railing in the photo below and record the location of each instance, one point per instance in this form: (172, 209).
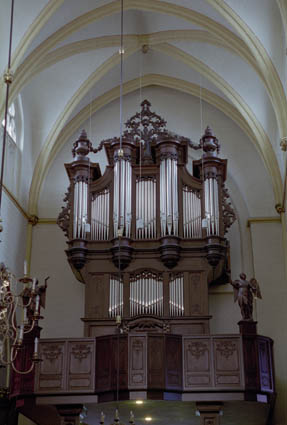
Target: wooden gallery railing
(156, 363)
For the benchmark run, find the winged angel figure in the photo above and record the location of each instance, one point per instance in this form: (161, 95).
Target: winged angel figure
(244, 292)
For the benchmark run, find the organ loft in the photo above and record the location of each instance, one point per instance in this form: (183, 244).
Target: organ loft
(148, 237)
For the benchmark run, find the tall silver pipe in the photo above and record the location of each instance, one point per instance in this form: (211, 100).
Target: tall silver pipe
(92, 217)
(80, 209)
(154, 208)
(175, 197)
(168, 196)
(217, 207)
(75, 210)
(107, 215)
(212, 205)
(137, 208)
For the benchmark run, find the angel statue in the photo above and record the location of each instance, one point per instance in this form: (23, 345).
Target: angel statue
(244, 291)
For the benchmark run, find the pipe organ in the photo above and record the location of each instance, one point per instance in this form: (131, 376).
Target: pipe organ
(147, 237)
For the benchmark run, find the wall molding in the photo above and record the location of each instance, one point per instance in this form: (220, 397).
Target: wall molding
(273, 219)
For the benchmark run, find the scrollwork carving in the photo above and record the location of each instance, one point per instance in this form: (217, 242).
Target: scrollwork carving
(63, 220)
(226, 348)
(81, 351)
(197, 349)
(52, 352)
(228, 212)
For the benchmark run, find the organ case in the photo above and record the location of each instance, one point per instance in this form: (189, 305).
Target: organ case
(147, 237)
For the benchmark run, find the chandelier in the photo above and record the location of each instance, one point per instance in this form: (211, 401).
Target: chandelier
(120, 223)
(27, 305)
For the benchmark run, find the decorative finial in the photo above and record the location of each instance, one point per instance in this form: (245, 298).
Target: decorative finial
(83, 135)
(210, 144)
(82, 147)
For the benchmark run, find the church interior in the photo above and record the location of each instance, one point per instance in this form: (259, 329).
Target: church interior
(143, 245)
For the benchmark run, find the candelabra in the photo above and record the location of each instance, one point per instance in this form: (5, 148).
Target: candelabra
(27, 305)
(117, 419)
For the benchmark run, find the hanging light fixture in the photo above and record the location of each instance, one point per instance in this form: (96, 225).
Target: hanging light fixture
(27, 303)
(121, 225)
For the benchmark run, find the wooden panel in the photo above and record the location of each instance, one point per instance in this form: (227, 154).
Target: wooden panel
(198, 294)
(173, 362)
(227, 362)
(197, 363)
(97, 296)
(103, 363)
(156, 361)
(121, 360)
(137, 361)
(81, 366)
(50, 375)
(265, 364)
(250, 363)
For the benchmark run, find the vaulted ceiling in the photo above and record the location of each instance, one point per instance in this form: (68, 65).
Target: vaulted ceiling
(225, 60)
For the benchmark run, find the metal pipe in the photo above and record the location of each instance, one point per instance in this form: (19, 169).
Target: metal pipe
(129, 197)
(216, 205)
(175, 197)
(75, 211)
(161, 298)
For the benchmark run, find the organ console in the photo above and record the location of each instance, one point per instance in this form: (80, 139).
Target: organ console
(147, 237)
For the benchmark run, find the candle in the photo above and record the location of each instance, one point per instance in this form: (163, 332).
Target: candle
(34, 284)
(37, 304)
(21, 333)
(36, 345)
(25, 315)
(25, 268)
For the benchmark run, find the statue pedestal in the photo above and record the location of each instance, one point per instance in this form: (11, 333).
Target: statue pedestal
(247, 327)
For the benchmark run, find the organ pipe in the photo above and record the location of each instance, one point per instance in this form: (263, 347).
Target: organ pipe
(116, 297)
(146, 294)
(100, 215)
(80, 209)
(191, 213)
(169, 197)
(176, 305)
(122, 213)
(146, 208)
(211, 205)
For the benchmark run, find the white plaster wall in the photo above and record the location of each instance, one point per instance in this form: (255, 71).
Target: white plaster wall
(243, 79)
(271, 310)
(65, 295)
(263, 18)
(23, 17)
(13, 237)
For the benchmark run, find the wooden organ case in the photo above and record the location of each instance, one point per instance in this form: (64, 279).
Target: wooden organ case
(147, 237)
